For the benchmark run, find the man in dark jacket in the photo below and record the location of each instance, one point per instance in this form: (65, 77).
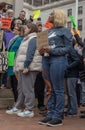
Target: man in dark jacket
(21, 18)
(72, 78)
(83, 53)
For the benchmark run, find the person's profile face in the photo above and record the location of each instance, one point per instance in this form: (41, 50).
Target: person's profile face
(51, 17)
(26, 30)
(39, 28)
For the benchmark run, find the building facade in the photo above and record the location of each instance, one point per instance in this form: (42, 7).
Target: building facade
(46, 6)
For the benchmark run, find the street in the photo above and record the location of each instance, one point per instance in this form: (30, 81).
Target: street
(13, 122)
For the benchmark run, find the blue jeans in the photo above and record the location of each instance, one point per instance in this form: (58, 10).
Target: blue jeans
(56, 101)
(72, 97)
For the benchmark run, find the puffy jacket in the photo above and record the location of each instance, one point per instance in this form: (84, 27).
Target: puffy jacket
(36, 62)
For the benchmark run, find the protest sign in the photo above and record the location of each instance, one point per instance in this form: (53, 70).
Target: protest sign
(48, 25)
(36, 14)
(73, 21)
(11, 56)
(6, 23)
(42, 39)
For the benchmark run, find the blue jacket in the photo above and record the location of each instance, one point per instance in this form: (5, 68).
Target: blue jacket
(60, 41)
(14, 48)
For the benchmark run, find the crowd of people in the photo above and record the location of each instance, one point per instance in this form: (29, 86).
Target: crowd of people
(34, 74)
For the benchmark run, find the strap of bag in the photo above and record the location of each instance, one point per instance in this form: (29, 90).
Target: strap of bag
(1, 39)
(3, 48)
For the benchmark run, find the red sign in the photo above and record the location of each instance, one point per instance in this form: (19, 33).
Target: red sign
(6, 23)
(48, 25)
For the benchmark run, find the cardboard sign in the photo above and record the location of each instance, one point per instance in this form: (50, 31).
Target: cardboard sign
(1, 38)
(42, 39)
(36, 14)
(6, 23)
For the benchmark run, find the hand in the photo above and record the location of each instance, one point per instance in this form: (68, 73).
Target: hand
(42, 51)
(47, 49)
(74, 30)
(25, 71)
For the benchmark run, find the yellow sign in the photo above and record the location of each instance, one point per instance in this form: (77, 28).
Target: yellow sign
(36, 14)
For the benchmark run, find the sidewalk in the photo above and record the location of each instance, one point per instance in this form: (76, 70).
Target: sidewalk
(13, 122)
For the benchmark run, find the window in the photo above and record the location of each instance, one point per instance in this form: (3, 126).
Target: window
(40, 2)
(69, 12)
(80, 10)
(69, 24)
(10, 6)
(37, 2)
(53, 0)
(80, 24)
(28, 1)
(46, 1)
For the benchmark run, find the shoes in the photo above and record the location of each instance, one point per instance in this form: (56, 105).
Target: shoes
(26, 114)
(3, 86)
(43, 113)
(42, 108)
(83, 104)
(45, 120)
(71, 115)
(10, 107)
(82, 112)
(55, 122)
(13, 111)
(82, 116)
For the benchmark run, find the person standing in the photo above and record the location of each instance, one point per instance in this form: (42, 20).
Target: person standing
(20, 20)
(27, 64)
(39, 84)
(55, 64)
(13, 47)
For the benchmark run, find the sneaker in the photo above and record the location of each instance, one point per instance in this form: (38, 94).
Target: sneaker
(26, 114)
(13, 111)
(45, 120)
(42, 108)
(43, 113)
(82, 112)
(55, 122)
(3, 86)
(82, 116)
(71, 115)
(83, 104)
(10, 107)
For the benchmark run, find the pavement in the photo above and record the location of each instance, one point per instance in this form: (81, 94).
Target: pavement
(13, 122)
